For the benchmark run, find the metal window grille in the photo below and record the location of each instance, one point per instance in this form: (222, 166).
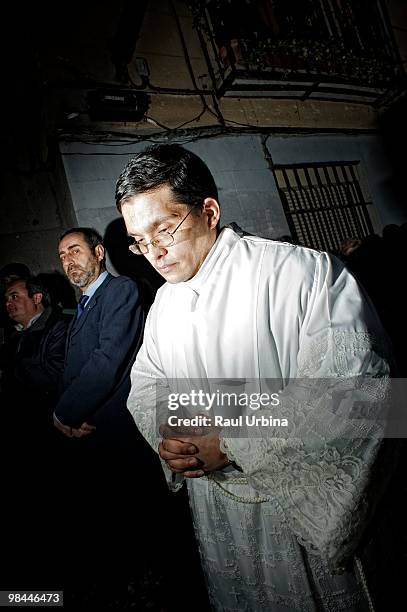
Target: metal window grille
(319, 49)
(324, 203)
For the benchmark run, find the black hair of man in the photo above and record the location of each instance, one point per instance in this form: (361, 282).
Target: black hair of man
(91, 236)
(33, 285)
(167, 164)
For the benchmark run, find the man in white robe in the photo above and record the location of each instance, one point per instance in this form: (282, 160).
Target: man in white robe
(277, 517)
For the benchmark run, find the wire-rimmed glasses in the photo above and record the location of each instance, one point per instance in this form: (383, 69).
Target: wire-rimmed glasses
(163, 239)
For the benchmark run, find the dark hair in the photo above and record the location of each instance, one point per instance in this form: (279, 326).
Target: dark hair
(168, 164)
(33, 286)
(91, 236)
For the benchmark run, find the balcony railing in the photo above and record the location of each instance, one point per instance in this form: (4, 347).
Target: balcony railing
(324, 49)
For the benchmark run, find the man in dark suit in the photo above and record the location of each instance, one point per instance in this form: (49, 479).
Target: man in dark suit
(106, 450)
(102, 340)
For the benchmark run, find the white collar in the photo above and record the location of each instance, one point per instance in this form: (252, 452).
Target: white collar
(216, 256)
(20, 326)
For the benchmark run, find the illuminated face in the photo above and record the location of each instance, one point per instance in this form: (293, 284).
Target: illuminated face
(20, 307)
(81, 266)
(148, 214)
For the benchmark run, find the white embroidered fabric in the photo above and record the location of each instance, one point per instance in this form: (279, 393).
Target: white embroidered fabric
(270, 537)
(319, 468)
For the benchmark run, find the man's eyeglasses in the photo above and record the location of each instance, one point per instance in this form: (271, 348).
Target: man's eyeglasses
(163, 239)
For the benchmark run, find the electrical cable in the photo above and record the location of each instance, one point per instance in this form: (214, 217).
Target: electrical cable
(188, 59)
(157, 123)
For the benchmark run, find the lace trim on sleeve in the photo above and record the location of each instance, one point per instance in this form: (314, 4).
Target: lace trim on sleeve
(320, 470)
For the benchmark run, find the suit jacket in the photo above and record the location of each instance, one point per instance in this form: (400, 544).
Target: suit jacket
(101, 347)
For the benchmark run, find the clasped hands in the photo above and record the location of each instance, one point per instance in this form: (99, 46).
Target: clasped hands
(192, 456)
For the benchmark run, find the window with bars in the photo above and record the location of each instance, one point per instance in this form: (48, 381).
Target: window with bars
(324, 203)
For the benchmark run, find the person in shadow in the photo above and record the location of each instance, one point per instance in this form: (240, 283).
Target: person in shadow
(32, 374)
(375, 262)
(148, 280)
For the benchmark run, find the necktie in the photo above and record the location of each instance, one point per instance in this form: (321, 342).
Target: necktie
(81, 305)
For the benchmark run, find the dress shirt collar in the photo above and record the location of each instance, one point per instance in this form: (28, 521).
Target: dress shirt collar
(95, 285)
(20, 326)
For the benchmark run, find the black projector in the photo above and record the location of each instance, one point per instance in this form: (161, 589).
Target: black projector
(117, 105)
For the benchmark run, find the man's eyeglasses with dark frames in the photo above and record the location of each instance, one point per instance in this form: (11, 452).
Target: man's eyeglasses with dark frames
(163, 239)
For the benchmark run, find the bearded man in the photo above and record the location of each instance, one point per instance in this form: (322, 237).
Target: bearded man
(102, 339)
(105, 446)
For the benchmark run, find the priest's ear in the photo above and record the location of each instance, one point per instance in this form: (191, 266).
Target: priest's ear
(212, 209)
